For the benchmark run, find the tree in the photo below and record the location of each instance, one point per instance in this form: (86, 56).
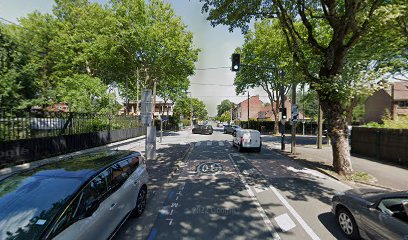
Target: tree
(265, 57)
(225, 117)
(320, 34)
(190, 106)
(225, 106)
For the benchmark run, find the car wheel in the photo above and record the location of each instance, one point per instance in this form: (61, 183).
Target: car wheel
(258, 149)
(225, 131)
(140, 203)
(347, 224)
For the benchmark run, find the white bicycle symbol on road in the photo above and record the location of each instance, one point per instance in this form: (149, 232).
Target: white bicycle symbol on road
(209, 168)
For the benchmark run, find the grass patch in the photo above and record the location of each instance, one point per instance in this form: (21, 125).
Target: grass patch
(362, 177)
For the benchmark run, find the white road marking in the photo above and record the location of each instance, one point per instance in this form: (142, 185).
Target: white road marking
(261, 211)
(221, 143)
(241, 161)
(198, 144)
(285, 222)
(304, 225)
(307, 171)
(259, 188)
(209, 143)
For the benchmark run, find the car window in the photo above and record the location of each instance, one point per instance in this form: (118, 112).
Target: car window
(68, 217)
(134, 164)
(95, 191)
(394, 207)
(120, 172)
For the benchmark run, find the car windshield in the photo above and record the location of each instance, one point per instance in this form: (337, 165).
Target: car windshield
(207, 127)
(29, 203)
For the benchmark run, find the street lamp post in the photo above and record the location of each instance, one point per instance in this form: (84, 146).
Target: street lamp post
(282, 90)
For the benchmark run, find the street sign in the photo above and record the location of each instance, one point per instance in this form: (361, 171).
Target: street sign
(164, 118)
(295, 113)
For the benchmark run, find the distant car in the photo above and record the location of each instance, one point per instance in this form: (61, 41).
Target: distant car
(372, 213)
(207, 129)
(230, 128)
(203, 129)
(84, 197)
(197, 129)
(247, 139)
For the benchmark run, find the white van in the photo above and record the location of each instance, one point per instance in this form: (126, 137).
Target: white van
(247, 139)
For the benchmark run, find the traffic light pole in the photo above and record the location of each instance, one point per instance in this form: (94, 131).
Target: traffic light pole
(283, 120)
(293, 139)
(248, 111)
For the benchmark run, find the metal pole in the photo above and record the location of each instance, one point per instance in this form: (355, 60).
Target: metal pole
(248, 110)
(293, 139)
(283, 120)
(137, 90)
(191, 110)
(320, 128)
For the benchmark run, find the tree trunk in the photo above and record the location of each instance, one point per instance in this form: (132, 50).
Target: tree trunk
(338, 132)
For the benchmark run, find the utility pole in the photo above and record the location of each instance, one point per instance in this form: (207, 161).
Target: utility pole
(248, 110)
(320, 128)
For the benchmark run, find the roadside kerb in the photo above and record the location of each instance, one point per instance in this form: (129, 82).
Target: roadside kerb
(11, 170)
(313, 166)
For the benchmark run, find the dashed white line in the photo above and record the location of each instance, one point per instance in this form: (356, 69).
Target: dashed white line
(261, 211)
(221, 143)
(209, 143)
(285, 222)
(198, 144)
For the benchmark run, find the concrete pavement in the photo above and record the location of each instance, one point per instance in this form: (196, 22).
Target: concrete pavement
(390, 176)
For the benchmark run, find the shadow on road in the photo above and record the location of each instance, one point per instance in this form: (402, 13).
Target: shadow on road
(329, 222)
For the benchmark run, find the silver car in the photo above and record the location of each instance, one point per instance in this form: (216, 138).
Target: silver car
(86, 197)
(372, 214)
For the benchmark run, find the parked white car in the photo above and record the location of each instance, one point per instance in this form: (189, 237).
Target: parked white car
(247, 139)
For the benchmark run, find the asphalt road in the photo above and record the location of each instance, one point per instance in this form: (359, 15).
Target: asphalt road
(219, 193)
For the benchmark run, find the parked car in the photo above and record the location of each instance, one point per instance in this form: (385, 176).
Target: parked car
(207, 129)
(230, 128)
(372, 213)
(203, 129)
(197, 129)
(84, 197)
(247, 139)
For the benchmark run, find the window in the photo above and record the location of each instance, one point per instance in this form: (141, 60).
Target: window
(394, 207)
(69, 216)
(403, 104)
(134, 164)
(120, 172)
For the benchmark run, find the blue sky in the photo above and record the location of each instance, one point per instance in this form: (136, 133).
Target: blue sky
(216, 44)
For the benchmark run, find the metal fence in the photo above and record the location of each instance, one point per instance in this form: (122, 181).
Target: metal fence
(19, 125)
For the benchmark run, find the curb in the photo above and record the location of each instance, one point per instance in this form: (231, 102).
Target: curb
(5, 172)
(311, 165)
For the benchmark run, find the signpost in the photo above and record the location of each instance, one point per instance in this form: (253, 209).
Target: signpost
(147, 119)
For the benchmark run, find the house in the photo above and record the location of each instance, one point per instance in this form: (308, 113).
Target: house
(56, 107)
(259, 110)
(392, 100)
(161, 108)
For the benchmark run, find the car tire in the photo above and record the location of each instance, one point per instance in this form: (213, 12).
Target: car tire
(140, 203)
(225, 131)
(258, 149)
(347, 224)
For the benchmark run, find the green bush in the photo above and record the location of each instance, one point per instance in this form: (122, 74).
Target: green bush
(398, 123)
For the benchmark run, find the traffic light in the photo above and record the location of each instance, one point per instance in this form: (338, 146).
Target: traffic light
(284, 114)
(295, 112)
(236, 62)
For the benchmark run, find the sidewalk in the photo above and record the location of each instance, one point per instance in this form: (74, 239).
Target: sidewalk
(386, 175)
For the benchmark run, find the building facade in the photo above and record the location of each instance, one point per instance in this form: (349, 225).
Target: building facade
(392, 101)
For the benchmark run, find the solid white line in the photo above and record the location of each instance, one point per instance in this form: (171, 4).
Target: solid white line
(304, 225)
(261, 211)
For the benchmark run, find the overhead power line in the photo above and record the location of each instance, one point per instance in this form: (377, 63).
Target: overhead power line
(211, 68)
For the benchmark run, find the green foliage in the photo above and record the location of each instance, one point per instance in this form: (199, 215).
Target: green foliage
(224, 106)
(185, 106)
(309, 104)
(83, 43)
(400, 123)
(225, 117)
